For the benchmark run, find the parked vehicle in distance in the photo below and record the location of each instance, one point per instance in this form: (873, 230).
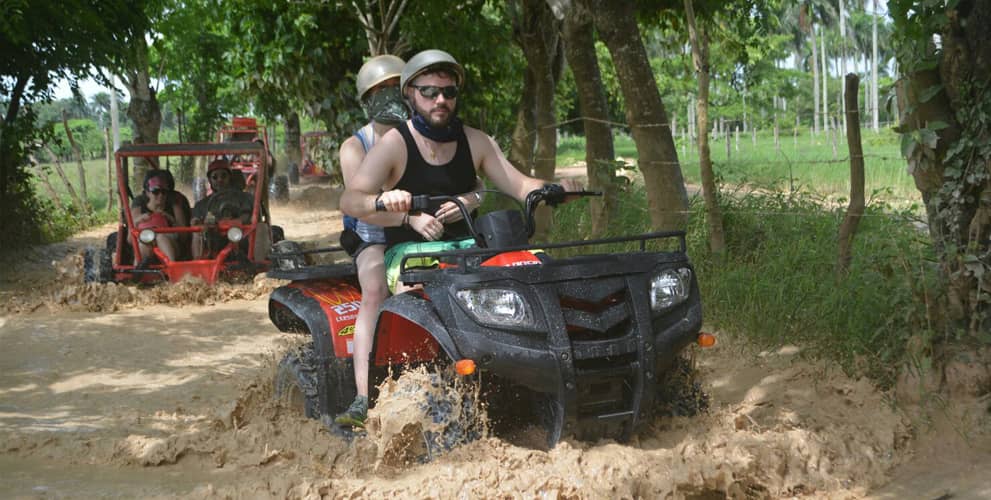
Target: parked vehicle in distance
(318, 159)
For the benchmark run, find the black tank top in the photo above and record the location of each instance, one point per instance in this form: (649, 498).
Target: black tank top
(420, 177)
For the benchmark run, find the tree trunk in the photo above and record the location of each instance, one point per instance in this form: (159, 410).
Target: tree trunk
(379, 28)
(855, 210)
(537, 32)
(842, 57)
(600, 155)
(946, 161)
(79, 161)
(874, 103)
(667, 200)
(699, 38)
(292, 151)
(143, 108)
(825, 80)
(524, 138)
(7, 163)
(815, 82)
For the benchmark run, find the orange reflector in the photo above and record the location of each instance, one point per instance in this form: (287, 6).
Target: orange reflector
(706, 339)
(465, 367)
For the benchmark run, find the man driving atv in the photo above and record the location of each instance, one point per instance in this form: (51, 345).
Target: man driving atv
(433, 153)
(378, 90)
(226, 202)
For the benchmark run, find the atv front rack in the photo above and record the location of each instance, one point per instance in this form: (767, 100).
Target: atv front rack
(471, 259)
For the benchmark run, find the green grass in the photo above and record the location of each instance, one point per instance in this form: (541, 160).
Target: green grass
(800, 163)
(776, 282)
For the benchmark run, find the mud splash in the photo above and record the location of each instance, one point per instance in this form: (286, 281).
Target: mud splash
(423, 414)
(68, 292)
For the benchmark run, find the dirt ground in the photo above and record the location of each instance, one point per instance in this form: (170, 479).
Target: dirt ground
(109, 391)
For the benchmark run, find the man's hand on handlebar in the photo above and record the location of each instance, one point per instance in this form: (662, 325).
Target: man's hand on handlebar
(572, 185)
(395, 200)
(427, 225)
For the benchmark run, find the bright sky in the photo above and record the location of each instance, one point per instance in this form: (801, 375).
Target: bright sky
(88, 87)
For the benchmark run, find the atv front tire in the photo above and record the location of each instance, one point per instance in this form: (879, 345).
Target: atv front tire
(296, 381)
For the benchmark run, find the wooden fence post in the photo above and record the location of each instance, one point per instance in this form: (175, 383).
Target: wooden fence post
(79, 162)
(61, 173)
(855, 210)
(110, 170)
(48, 184)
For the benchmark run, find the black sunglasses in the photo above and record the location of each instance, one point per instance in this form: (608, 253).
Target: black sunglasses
(156, 190)
(432, 91)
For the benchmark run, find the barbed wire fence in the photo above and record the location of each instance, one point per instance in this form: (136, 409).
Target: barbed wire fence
(686, 144)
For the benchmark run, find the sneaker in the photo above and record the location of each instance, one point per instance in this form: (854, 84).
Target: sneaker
(356, 413)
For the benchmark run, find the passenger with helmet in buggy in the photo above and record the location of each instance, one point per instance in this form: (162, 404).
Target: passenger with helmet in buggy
(160, 205)
(226, 202)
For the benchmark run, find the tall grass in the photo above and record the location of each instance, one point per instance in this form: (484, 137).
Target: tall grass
(798, 163)
(776, 282)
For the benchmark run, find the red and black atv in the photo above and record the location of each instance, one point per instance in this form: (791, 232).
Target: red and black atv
(593, 338)
(240, 248)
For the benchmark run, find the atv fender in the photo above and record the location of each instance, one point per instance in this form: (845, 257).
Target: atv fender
(293, 311)
(411, 308)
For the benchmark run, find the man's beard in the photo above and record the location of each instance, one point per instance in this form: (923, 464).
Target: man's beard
(433, 121)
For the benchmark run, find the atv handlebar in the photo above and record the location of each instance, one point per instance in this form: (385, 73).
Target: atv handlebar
(551, 194)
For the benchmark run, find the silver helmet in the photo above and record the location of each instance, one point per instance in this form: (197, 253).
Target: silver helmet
(430, 59)
(377, 70)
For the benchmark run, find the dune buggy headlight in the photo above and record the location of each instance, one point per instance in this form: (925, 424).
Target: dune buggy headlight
(670, 287)
(235, 234)
(497, 307)
(146, 236)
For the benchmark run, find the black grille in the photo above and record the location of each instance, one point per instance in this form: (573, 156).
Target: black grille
(596, 310)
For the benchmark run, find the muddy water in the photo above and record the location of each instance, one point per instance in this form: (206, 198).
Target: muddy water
(109, 391)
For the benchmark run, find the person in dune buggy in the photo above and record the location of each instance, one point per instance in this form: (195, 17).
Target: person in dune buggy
(226, 201)
(160, 205)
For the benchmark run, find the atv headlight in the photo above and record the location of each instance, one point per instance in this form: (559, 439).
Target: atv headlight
(670, 287)
(235, 234)
(497, 307)
(146, 236)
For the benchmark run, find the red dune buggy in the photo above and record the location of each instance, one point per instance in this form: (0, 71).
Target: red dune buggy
(237, 245)
(318, 154)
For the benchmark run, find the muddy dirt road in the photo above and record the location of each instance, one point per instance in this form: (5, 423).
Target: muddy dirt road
(109, 391)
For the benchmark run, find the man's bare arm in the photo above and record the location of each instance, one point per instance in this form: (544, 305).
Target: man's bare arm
(497, 168)
(352, 153)
(377, 170)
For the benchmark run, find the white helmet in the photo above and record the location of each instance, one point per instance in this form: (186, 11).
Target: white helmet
(377, 70)
(430, 59)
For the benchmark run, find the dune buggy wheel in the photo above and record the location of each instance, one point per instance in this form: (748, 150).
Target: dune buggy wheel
(97, 267)
(293, 173)
(278, 189)
(296, 381)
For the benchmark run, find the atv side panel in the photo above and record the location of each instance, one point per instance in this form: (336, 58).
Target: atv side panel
(295, 307)
(425, 334)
